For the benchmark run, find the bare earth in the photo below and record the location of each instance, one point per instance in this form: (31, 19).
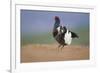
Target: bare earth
(50, 52)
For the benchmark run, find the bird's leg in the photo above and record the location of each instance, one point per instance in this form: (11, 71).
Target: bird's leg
(59, 46)
(62, 47)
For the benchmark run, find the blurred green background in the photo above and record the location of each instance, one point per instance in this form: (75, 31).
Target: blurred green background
(47, 38)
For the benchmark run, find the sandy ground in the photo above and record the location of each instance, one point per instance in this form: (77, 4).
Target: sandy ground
(44, 52)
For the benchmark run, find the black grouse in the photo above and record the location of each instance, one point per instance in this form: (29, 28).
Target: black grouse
(61, 34)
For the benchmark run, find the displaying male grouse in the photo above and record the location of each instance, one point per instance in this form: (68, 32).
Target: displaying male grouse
(62, 35)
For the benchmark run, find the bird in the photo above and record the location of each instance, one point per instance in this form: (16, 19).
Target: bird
(62, 34)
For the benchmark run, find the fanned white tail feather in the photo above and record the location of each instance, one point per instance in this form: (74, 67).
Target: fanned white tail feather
(68, 38)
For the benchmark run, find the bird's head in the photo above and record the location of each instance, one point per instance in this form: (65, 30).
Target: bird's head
(57, 18)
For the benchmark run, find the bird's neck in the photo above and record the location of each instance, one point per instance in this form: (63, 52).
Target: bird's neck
(56, 24)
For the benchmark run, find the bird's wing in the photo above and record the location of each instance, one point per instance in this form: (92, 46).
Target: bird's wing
(74, 35)
(58, 36)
